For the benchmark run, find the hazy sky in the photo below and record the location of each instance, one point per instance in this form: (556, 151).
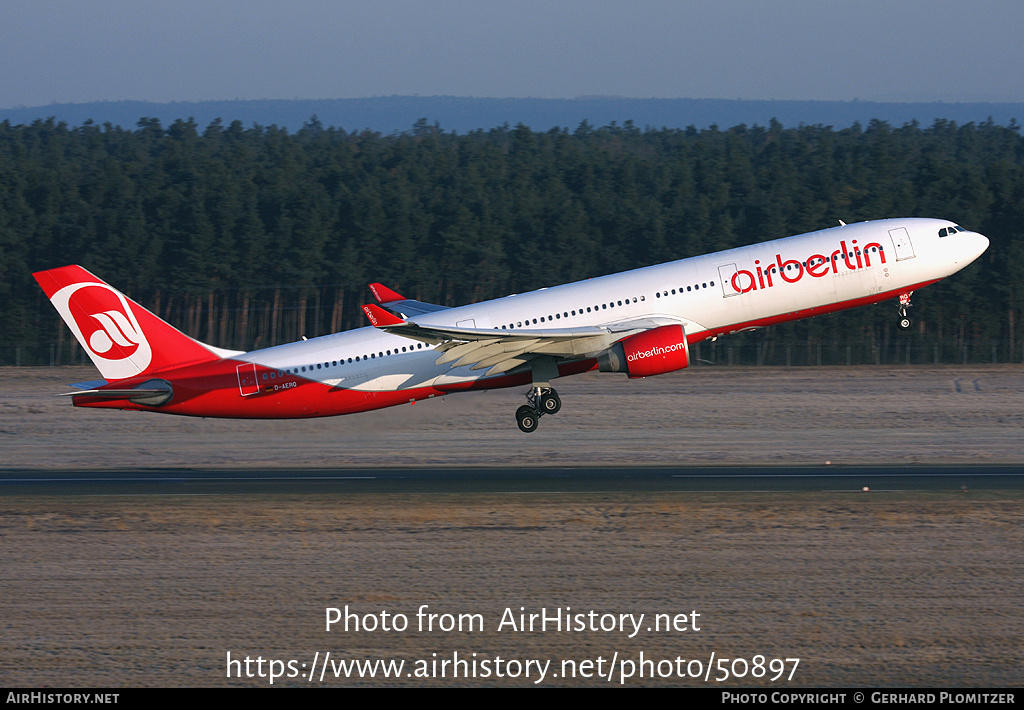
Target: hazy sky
(177, 50)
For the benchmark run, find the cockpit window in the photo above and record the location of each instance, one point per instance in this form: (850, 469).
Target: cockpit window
(947, 231)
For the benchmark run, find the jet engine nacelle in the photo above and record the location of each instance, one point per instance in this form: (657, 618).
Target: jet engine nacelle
(652, 352)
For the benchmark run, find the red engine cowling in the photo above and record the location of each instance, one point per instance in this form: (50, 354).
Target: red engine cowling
(652, 352)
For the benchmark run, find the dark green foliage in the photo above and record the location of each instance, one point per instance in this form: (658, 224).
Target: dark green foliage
(247, 237)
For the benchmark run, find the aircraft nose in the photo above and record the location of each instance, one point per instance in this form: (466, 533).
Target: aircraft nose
(981, 244)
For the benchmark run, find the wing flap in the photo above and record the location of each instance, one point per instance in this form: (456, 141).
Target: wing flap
(520, 356)
(501, 348)
(506, 365)
(455, 349)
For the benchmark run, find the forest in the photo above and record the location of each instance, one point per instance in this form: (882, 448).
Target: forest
(246, 237)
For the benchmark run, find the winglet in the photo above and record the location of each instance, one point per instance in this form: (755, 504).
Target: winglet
(383, 294)
(379, 317)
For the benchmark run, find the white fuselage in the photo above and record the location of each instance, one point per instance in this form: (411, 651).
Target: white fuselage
(709, 295)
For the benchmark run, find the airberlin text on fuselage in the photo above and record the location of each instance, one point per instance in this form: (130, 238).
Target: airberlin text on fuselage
(817, 265)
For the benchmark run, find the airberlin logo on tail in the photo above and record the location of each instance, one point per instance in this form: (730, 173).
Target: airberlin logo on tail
(114, 328)
(104, 323)
(817, 265)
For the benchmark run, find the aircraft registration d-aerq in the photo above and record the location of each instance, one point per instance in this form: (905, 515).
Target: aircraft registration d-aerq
(639, 322)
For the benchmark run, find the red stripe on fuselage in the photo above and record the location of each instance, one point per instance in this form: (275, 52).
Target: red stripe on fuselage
(212, 390)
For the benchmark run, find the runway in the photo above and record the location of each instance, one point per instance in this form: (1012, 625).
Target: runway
(122, 587)
(139, 550)
(853, 479)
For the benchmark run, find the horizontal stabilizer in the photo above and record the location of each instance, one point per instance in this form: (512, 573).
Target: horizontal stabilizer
(114, 394)
(151, 392)
(90, 385)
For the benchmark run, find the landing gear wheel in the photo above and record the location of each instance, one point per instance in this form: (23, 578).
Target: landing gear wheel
(905, 323)
(527, 418)
(550, 403)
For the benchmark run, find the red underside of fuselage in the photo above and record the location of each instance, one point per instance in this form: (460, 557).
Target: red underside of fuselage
(212, 389)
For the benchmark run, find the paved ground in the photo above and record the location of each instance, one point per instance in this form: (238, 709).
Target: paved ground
(897, 589)
(866, 590)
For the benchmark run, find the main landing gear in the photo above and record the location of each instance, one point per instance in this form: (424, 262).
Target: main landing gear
(542, 400)
(905, 322)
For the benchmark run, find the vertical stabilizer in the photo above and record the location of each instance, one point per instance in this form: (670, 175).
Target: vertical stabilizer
(122, 338)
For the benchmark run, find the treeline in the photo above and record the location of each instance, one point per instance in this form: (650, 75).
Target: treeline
(248, 237)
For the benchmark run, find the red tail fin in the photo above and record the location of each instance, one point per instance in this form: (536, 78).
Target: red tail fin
(122, 338)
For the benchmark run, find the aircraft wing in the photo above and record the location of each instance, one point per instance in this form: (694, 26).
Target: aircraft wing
(504, 350)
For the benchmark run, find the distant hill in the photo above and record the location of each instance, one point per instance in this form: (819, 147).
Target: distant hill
(389, 114)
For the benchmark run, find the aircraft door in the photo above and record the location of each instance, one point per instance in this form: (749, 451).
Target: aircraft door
(726, 272)
(248, 383)
(901, 243)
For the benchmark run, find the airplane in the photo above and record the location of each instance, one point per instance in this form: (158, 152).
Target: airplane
(638, 322)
